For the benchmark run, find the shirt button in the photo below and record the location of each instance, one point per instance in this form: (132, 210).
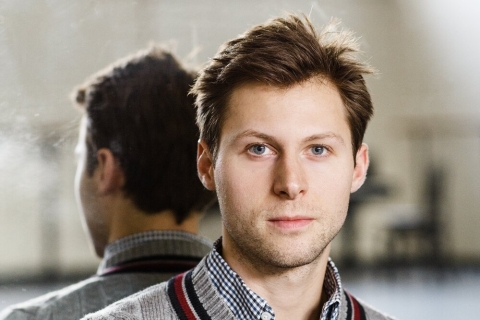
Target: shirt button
(266, 316)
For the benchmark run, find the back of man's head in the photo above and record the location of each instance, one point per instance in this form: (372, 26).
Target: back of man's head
(139, 109)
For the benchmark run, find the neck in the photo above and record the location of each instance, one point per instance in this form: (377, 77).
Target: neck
(127, 219)
(293, 293)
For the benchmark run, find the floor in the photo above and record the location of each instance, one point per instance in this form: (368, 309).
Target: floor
(404, 294)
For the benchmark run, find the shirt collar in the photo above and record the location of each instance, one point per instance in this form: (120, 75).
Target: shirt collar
(332, 285)
(246, 304)
(241, 300)
(154, 243)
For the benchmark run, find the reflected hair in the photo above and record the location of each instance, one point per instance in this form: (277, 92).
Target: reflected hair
(284, 52)
(139, 109)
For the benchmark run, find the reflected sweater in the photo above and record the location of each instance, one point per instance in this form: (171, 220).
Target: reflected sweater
(129, 265)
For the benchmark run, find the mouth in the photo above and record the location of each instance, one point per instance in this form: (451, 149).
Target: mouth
(291, 223)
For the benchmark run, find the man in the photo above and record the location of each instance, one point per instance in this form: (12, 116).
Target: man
(282, 113)
(136, 184)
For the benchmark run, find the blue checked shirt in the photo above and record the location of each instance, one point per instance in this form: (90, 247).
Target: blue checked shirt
(247, 305)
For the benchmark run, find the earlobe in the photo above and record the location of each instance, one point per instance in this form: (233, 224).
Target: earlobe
(361, 167)
(205, 166)
(109, 174)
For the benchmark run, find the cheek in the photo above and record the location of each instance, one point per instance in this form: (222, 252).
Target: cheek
(333, 186)
(341, 186)
(236, 189)
(228, 187)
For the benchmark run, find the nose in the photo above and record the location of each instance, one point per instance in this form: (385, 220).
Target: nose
(290, 180)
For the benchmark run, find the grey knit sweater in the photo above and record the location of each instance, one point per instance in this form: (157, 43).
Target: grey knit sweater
(193, 296)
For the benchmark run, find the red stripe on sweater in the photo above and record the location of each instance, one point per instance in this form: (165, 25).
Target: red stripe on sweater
(357, 313)
(182, 298)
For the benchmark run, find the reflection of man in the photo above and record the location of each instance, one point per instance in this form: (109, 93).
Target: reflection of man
(282, 113)
(136, 184)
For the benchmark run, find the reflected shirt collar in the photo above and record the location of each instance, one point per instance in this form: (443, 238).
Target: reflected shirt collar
(154, 243)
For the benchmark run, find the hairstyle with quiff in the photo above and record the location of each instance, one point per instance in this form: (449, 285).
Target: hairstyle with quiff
(283, 52)
(139, 109)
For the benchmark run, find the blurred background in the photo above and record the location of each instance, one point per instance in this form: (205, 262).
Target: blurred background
(410, 245)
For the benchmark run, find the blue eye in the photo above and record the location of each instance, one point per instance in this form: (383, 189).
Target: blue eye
(258, 149)
(318, 150)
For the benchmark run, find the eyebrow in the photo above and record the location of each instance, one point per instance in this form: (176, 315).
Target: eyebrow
(253, 133)
(266, 137)
(326, 135)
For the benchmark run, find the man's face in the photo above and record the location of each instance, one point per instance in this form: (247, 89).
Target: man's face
(284, 172)
(86, 195)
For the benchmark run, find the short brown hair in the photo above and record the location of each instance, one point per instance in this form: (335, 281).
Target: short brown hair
(283, 52)
(139, 109)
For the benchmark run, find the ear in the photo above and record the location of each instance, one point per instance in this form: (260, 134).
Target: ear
(108, 174)
(205, 166)
(361, 167)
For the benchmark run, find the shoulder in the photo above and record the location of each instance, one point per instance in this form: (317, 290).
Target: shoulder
(373, 314)
(151, 303)
(354, 308)
(30, 309)
(81, 298)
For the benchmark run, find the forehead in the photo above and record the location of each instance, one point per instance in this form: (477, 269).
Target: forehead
(252, 89)
(310, 107)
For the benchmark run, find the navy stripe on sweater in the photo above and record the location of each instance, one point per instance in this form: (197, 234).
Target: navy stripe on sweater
(184, 299)
(355, 310)
(172, 294)
(193, 298)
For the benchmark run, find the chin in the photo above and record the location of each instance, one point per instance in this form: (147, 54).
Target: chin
(303, 259)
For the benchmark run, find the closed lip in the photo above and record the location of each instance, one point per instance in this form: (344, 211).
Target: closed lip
(295, 218)
(290, 224)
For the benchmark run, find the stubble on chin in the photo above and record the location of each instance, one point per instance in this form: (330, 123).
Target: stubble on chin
(255, 245)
